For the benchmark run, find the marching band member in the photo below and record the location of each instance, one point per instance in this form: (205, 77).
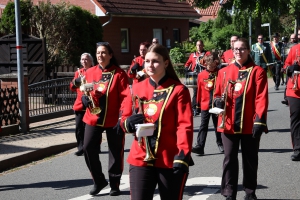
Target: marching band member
(86, 60)
(242, 91)
(286, 50)
(104, 105)
(195, 63)
(293, 96)
(136, 70)
(228, 56)
(166, 103)
(276, 47)
(206, 87)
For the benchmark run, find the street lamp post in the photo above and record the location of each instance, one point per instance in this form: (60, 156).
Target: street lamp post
(269, 25)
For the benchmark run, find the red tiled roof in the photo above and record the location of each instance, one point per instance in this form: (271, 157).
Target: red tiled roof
(211, 12)
(161, 8)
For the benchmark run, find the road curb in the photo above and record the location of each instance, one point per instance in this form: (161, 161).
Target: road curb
(34, 156)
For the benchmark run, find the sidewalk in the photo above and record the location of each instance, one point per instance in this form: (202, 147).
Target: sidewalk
(46, 138)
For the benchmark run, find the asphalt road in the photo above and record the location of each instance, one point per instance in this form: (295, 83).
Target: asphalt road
(65, 176)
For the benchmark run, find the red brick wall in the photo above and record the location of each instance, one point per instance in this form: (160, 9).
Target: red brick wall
(140, 30)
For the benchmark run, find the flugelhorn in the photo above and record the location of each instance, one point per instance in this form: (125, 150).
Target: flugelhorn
(295, 80)
(296, 73)
(85, 88)
(224, 99)
(149, 155)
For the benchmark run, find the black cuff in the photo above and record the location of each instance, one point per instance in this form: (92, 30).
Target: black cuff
(182, 161)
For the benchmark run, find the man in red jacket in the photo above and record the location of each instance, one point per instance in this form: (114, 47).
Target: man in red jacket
(228, 56)
(195, 63)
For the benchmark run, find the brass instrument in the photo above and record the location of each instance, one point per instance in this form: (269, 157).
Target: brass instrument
(149, 156)
(296, 73)
(86, 87)
(295, 80)
(224, 98)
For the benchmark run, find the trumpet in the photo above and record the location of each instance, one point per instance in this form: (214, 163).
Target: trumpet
(85, 88)
(149, 155)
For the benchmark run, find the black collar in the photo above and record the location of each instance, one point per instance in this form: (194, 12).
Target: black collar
(160, 82)
(245, 64)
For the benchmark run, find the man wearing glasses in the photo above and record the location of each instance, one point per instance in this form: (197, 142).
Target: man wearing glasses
(261, 53)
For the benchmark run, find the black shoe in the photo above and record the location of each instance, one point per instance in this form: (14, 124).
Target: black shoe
(285, 102)
(230, 198)
(98, 188)
(79, 153)
(282, 83)
(100, 149)
(276, 88)
(250, 197)
(296, 156)
(221, 148)
(198, 150)
(115, 192)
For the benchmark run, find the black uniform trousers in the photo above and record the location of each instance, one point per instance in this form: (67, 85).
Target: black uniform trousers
(143, 181)
(194, 99)
(294, 104)
(203, 129)
(79, 129)
(92, 136)
(276, 70)
(249, 149)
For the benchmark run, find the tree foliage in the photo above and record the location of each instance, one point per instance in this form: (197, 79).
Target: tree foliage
(69, 30)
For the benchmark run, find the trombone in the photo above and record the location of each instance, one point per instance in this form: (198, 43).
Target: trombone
(149, 155)
(85, 88)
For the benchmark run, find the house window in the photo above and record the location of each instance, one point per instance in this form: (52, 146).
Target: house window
(176, 35)
(124, 40)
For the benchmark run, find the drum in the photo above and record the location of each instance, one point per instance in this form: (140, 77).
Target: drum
(191, 78)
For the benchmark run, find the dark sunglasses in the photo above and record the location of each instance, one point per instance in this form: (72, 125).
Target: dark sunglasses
(102, 44)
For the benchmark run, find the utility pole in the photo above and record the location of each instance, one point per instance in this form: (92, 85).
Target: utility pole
(19, 49)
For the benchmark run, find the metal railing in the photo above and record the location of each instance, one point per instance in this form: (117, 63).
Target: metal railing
(49, 99)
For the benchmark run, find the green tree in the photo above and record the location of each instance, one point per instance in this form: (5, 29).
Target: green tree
(7, 23)
(69, 30)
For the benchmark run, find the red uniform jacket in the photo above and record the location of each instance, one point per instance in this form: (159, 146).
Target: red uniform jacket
(228, 56)
(110, 91)
(132, 74)
(78, 103)
(247, 97)
(192, 61)
(206, 87)
(292, 57)
(168, 106)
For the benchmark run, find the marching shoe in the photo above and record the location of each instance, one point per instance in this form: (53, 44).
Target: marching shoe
(79, 153)
(115, 192)
(198, 150)
(230, 198)
(296, 156)
(276, 88)
(221, 148)
(250, 197)
(98, 188)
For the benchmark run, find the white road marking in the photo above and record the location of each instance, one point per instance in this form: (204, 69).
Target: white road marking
(211, 184)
